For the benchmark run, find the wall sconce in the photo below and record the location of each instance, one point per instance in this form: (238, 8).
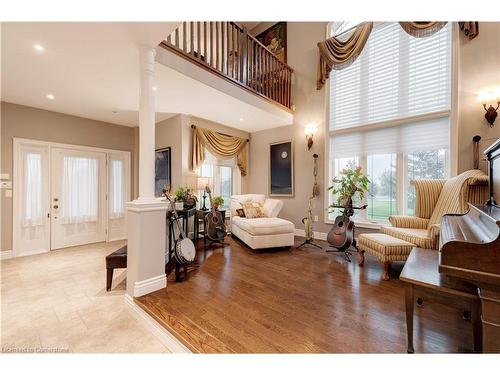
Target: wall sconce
(490, 96)
(310, 130)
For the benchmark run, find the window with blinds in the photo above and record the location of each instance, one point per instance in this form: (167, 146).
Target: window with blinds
(396, 77)
(390, 114)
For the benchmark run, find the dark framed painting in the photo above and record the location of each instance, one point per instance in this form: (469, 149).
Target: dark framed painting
(274, 38)
(163, 170)
(281, 169)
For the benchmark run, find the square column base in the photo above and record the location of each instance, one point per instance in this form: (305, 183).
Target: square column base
(146, 236)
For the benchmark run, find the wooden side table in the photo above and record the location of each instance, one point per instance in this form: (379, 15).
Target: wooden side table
(422, 278)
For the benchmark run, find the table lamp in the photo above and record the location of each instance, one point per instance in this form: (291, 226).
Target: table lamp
(202, 183)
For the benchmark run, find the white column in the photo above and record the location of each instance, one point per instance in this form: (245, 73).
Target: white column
(146, 124)
(146, 223)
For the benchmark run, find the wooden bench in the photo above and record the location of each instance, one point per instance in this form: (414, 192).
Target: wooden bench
(117, 259)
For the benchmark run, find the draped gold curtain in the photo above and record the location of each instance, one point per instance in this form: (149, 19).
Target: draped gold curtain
(421, 29)
(220, 145)
(337, 54)
(470, 29)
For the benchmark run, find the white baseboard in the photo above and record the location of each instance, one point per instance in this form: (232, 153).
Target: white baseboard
(150, 285)
(317, 235)
(165, 337)
(6, 254)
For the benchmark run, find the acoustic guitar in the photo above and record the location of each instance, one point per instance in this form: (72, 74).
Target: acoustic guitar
(341, 235)
(214, 222)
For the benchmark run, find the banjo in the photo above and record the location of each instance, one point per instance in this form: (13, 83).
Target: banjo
(184, 250)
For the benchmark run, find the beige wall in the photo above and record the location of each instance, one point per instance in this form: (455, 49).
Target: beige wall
(310, 107)
(169, 134)
(479, 67)
(175, 132)
(27, 122)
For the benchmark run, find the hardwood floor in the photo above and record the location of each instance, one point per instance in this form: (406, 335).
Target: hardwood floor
(298, 301)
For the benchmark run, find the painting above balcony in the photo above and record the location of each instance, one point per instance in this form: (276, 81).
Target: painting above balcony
(274, 38)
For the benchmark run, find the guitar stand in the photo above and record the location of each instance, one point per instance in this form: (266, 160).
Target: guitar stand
(347, 253)
(309, 242)
(207, 243)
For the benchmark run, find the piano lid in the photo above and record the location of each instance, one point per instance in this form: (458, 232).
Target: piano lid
(470, 244)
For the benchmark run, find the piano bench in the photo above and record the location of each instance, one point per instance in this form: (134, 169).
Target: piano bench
(386, 248)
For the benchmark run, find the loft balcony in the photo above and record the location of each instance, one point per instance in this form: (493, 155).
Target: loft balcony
(227, 50)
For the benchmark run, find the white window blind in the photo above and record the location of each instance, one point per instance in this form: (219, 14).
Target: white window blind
(116, 190)
(418, 136)
(396, 76)
(79, 190)
(33, 190)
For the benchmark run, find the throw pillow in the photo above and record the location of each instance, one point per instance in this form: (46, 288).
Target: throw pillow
(253, 210)
(240, 212)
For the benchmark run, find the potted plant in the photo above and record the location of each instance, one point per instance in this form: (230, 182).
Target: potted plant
(350, 182)
(217, 202)
(187, 195)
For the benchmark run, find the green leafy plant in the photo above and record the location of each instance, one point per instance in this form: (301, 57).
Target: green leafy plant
(350, 182)
(184, 193)
(217, 201)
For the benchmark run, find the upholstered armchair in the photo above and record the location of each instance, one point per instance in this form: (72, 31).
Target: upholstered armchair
(435, 198)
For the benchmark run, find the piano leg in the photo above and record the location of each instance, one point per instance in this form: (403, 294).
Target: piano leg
(409, 301)
(477, 327)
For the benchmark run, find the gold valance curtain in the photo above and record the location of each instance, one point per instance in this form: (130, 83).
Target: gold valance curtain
(421, 29)
(469, 28)
(220, 145)
(337, 54)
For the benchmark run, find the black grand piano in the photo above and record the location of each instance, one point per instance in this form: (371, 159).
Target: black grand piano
(470, 250)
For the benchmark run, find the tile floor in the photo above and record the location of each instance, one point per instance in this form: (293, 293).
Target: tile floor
(58, 302)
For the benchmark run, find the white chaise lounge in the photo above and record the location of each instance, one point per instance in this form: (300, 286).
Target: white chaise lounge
(261, 233)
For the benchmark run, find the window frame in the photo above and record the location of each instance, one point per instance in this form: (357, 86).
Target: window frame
(216, 181)
(402, 186)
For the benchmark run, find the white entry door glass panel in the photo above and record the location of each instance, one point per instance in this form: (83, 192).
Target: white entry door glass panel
(118, 193)
(78, 210)
(31, 199)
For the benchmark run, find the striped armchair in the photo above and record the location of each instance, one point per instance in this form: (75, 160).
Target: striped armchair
(435, 198)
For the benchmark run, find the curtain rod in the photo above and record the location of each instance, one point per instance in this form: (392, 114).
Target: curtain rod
(227, 135)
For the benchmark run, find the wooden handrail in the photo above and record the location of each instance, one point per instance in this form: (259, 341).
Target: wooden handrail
(226, 48)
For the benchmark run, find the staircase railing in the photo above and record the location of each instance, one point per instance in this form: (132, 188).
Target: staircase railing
(227, 49)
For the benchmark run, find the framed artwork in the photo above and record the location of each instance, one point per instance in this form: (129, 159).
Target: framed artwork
(163, 170)
(274, 38)
(281, 169)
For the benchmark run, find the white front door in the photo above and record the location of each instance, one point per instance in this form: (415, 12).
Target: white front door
(31, 220)
(78, 197)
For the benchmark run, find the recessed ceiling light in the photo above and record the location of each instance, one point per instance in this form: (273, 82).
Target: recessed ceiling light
(38, 48)
(241, 118)
(154, 88)
(50, 97)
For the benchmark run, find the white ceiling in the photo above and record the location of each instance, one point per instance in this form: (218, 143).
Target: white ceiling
(92, 69)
